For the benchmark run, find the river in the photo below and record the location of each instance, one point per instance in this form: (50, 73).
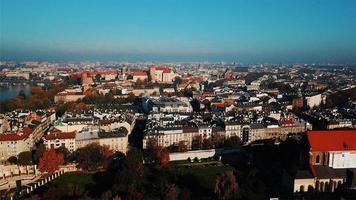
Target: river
(11, 91)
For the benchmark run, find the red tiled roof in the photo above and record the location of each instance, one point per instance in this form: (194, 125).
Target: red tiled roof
(93, 73)
(332, 140)
(60, 135)
(76, 75)
(218, 104)
(139, 73)
(16, 136)
(164, 69)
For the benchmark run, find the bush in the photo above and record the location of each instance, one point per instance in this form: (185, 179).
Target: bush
(25, 158)
(12, 160)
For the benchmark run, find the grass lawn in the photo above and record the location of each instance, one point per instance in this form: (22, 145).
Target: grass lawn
(205, 175)
(75, 178)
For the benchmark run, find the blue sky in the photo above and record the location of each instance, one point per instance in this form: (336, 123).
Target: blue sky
(179, 30)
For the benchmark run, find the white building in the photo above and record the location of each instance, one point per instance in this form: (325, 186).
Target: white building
(60, 139)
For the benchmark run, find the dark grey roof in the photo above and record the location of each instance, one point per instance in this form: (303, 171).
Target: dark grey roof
(120, 132)
(257, 126)
(233, 123)
(325, 172)
(35, 122)
(40, 113)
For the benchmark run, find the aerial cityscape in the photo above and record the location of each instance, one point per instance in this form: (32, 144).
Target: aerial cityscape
(143, 100)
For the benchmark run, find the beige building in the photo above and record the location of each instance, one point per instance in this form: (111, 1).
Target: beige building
(65, 97)
(116, 140)
(11, 144)
(172, 136)
(161, 74)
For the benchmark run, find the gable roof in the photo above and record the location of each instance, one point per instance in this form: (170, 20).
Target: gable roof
(139, 73)
(16, 136)
(163, 69)
(332, 140)
(60, 135)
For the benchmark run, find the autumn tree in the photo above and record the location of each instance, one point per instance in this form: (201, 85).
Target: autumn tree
(50, 161)
(170, 193)
(226, 186)
(218, 140)
(182, 146)
(108, 155)
(155, 153)
(161, 155)
(37, 91)
(206, 144)
(92, 156)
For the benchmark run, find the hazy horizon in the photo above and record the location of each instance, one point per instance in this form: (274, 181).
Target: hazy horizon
(179, 31)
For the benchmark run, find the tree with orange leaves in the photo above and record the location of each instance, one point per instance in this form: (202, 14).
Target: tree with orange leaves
(161, 155)
(50, 161)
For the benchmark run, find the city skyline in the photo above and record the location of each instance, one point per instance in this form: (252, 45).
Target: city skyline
(253, 31)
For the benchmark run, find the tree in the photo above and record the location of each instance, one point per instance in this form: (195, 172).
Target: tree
(226, 186)
(207, 105)
(108, 155)
(37, 154)
(64, 151)
(130, 173)
(207, 144)
(90, 157)
(218, 140)
(233, 142)
(155, 153)
(50, 161)
(97, 78)
(162, 155)
(170, 192)
(25, 158)
(197, 142)
(37, 91)
(196, 105)
(22, 95)
(131, 97)
(182, 147)
(12, 160)
(178, 80)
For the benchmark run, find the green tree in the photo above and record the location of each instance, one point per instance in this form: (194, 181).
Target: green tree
(64, 151)
(233, 142)
(12, 160)
(131, 171)
(37, 153)
(25, 158)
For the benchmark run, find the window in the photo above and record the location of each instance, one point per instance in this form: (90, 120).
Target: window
(317, 159)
